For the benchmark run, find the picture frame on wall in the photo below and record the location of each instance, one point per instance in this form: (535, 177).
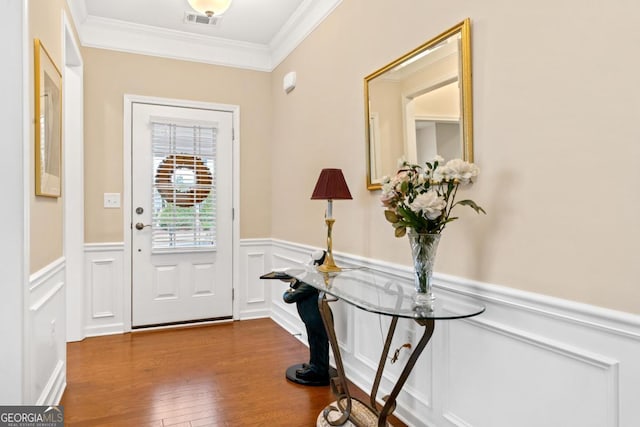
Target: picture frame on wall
(48, 123)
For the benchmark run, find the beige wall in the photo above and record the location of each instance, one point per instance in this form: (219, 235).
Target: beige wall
(46, 221)
(110, 75)
(556, 138)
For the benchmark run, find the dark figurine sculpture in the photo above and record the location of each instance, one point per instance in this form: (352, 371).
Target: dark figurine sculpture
(316, 372)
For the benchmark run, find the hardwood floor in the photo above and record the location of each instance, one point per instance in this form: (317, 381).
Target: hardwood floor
(230, 374)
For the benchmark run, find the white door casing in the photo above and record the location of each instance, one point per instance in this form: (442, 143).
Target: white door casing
(73, 182)
(179, 282)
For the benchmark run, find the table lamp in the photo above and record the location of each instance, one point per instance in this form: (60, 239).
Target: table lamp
(330, 186)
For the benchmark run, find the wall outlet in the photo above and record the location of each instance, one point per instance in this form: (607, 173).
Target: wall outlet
(111, 200)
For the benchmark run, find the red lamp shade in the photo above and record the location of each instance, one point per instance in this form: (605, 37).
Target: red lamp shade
(331, 186)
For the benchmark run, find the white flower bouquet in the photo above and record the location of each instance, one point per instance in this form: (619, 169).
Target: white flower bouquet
(422, 198)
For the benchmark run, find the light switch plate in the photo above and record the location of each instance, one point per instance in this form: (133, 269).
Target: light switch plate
(111, 200)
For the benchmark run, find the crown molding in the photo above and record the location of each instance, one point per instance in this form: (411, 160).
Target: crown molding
(301, 23)
(148, 40)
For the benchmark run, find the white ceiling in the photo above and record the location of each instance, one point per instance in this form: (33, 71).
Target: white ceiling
(253, 34)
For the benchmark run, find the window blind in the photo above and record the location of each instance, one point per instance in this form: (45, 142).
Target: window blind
(184, 189)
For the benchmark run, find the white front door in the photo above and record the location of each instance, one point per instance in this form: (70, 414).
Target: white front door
(181, 201)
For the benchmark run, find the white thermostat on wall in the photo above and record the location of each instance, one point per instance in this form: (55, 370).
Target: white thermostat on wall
(289, 81)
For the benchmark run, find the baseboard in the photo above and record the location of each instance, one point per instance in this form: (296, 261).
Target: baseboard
(54, 389)
(254, 314)
(106, 329)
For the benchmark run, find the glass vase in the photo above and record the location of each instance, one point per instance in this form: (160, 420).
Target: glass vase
(423, 251)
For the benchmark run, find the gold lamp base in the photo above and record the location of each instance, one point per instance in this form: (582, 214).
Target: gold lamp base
(329, 265)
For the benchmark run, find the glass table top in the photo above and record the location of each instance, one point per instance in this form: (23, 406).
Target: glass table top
(376, 292)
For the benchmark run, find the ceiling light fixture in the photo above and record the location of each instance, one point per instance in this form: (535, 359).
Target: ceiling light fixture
(210, 7)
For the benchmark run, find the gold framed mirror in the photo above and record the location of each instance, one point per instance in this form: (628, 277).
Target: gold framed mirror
(420, 105)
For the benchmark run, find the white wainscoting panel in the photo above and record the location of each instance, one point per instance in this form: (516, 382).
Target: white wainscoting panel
(45, 335)
(584, 384)
(104, 289)
(528, 360)
(252, 297)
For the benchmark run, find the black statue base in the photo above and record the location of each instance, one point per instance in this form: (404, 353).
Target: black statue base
(291, 376)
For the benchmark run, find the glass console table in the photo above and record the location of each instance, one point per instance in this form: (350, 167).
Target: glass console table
(372, 291)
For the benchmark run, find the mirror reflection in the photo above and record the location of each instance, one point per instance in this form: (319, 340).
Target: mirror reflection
(419, 106)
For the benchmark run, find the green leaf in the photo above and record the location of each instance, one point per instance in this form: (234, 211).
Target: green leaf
(391, 216)
(410, 218)
(472, 204)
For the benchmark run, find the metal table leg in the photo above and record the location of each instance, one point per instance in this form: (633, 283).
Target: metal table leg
(429, 326)
(381, 364)
(390, 403)
(327, 318)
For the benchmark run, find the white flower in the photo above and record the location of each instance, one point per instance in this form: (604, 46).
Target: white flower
(439, 175)
(438, 159)
(400, 177)
(389, 196)
(429, 204)
(387, 187)
(463, 171)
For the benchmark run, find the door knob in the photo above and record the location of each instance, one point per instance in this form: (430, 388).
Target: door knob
(140, 226)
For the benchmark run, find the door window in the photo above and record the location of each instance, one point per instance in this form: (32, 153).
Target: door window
(184, 186)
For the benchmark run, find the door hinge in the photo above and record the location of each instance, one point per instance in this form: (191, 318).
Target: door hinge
(233, 214)
(233, 294)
